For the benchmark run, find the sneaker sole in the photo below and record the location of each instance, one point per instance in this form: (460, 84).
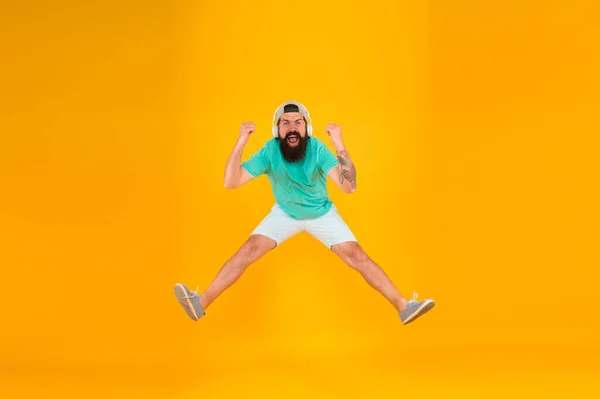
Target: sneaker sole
(425, 307)
(181, 295)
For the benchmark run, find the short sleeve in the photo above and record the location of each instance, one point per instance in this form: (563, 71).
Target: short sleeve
(327, 160)
(258, 163)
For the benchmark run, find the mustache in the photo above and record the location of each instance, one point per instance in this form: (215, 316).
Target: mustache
(291, 134)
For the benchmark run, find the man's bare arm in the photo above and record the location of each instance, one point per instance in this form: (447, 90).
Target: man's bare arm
(235, 175)
(344, 175)
(347, 171)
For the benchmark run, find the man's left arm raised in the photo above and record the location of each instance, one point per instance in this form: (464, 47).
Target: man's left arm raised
(344, 174)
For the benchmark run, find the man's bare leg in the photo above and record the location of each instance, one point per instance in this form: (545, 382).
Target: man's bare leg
(252, 250)
(355, 257)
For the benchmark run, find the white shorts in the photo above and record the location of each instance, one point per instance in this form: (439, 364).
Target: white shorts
(330, 228)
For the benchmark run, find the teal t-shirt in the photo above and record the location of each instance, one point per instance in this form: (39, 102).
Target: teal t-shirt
(300, 188)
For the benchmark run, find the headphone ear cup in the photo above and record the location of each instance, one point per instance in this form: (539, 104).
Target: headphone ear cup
(275, 131)
(309, 129)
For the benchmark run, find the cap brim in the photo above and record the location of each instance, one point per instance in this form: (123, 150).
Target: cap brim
(301, 109)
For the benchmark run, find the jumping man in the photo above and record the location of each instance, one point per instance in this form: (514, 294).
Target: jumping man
(297, 166)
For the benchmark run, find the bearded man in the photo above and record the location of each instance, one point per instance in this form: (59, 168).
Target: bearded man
(297, 165)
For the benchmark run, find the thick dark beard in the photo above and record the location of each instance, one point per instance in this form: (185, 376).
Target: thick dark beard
(293, 154)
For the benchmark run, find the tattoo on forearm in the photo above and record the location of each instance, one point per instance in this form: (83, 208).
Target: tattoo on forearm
(347, 170)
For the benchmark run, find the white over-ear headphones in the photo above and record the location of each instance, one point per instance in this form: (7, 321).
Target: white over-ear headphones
(301, 108)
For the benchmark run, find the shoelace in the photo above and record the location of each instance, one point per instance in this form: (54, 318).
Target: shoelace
(414, 297)
(194, 294)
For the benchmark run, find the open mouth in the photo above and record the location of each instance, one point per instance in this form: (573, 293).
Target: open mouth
(293, 138)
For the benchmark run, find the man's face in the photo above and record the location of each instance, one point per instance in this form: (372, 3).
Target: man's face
(292, 136)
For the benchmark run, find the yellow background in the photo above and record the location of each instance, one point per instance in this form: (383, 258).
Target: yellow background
(474, 130)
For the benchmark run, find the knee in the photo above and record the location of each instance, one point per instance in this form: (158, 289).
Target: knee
(256, 246)
(352, 253)
(358, 257)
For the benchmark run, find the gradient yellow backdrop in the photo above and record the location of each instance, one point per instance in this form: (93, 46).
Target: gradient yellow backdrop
(474, 130)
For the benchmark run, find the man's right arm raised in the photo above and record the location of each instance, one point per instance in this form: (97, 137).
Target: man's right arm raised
(235, 175)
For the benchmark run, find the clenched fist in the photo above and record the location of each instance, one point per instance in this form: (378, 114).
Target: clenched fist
(246, 129)
(335, 132)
